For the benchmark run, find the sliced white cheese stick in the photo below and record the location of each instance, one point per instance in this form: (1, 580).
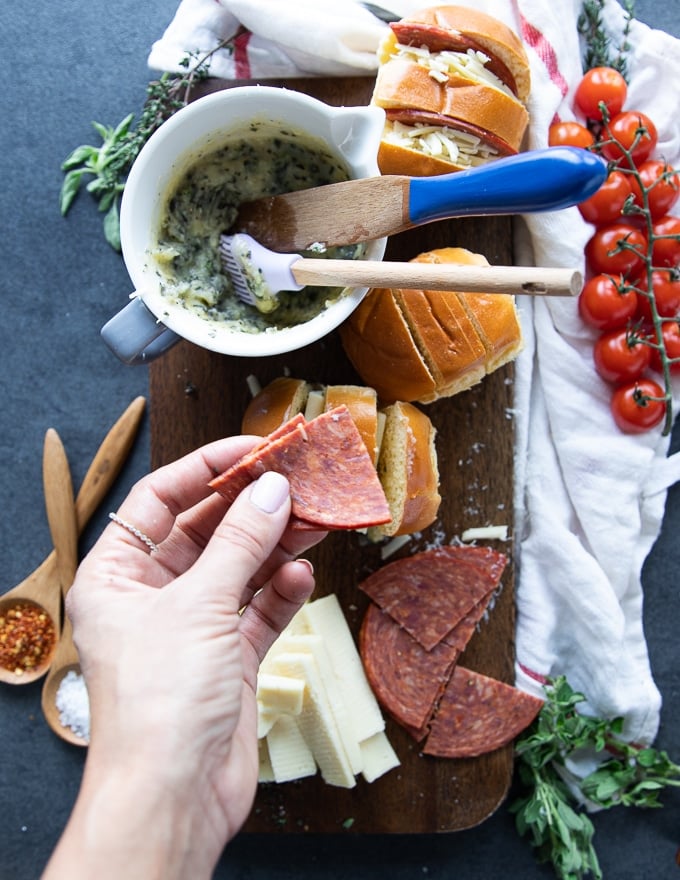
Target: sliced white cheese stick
(378, 756)
(316, 721)
(324, 617)
(314, 407)
(289, 754)
(265, 719)
(265, 772)
(311, 643)
(280, 693)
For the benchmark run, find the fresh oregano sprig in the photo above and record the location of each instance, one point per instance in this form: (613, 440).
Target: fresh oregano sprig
(550, 812)
(107, 165)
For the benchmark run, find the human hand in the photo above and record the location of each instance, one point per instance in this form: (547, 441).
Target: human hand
(171, 665)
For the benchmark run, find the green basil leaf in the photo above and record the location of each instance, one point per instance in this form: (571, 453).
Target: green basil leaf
(112, 226)
(69, 190)
(79, 156)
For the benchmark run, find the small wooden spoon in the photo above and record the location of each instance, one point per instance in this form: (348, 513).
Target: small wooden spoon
(42, 585)
(61, 515)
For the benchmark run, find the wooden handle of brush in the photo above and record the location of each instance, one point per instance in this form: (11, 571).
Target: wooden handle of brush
(529, 280)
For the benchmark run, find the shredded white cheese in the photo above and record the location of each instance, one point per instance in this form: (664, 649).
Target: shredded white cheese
(485, 533)
(463, 148)
(443, 65)
(392, 546)
(253, 384)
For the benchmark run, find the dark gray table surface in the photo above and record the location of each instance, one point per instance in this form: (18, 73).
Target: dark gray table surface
(66, 64)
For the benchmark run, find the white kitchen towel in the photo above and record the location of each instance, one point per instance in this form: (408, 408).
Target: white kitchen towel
(589, 499)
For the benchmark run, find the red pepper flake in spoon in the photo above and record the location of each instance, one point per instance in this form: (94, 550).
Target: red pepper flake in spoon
(27, 637)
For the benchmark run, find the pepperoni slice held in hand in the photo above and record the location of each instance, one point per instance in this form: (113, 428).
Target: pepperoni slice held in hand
(334, 484)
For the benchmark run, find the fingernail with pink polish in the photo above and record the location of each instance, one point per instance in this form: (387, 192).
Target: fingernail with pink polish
(270, 491)
(308, 564)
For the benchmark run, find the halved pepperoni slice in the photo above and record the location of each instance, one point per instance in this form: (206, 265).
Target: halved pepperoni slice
(234, 480)
(406, 679)
(333, 482)
(431, 592)
(478, 714)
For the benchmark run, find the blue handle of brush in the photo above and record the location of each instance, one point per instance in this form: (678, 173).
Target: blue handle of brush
(539, 180)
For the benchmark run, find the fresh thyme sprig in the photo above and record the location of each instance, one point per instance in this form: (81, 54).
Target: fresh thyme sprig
(108, 164)
(550, 811)
(598, 50)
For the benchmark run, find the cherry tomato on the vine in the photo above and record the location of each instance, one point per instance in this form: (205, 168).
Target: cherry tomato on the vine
(666, 251)
(670, 333)
(604, 305)
(570, 134)
(633, 409)
(666, 289)
(605, 205)
(601, 84)
(620, 357)
(631, 131)
(616, 249)
(662, 184)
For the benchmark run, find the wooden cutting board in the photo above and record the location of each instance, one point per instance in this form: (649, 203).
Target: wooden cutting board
(197, 396)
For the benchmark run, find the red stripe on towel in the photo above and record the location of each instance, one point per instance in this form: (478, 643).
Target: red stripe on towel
(541, 679)
(534, 38)
(241, 62)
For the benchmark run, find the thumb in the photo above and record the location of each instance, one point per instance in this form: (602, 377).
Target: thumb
(246, 536)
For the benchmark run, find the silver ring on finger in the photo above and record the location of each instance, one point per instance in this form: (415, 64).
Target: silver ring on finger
(138, 533)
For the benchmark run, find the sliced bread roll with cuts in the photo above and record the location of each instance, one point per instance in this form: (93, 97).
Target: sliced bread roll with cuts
(408, 471)
(419, 345)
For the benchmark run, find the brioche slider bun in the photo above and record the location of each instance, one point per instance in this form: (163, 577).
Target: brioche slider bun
(408, 471)
(459, 29)
(274, 404)
(400, 438)
(452, 82)
(422, 345)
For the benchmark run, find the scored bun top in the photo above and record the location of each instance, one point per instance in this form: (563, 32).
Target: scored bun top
(461, 27)
(494, 316)
(423, 345)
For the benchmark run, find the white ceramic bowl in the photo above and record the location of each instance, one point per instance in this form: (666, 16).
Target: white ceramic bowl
(150, 324)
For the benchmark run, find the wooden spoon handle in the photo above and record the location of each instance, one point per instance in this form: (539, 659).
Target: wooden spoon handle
(108, 461)
(60, 504)
(530, 280)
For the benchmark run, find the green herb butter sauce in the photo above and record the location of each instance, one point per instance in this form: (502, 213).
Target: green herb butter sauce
(203, 204)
